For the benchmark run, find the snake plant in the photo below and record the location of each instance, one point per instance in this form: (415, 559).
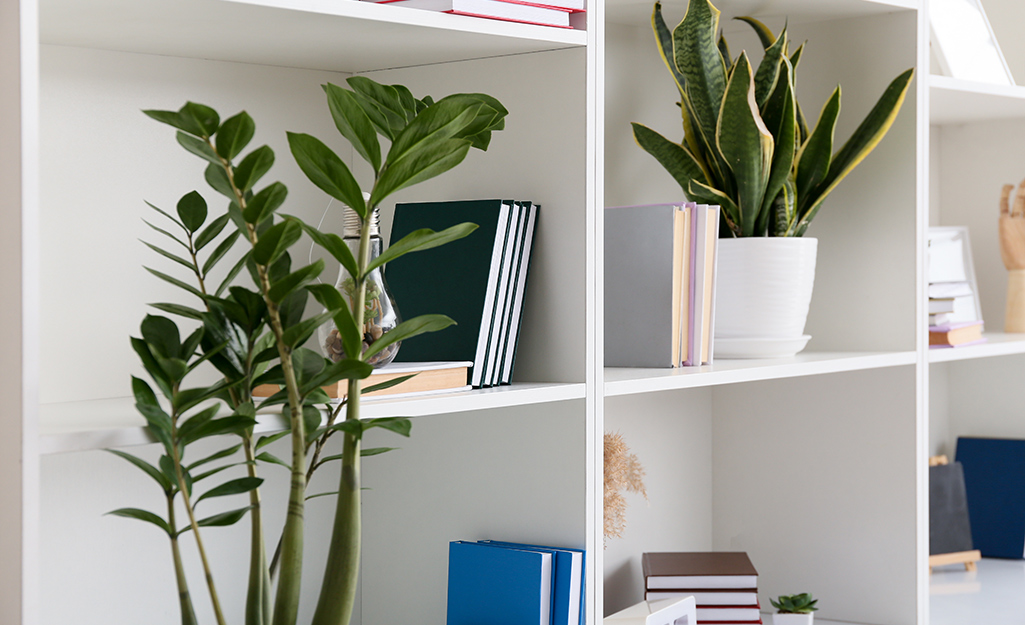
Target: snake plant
(746, 145)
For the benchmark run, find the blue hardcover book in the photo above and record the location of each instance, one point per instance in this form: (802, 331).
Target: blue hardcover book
(568, 602)
(492, 586)
(994, 475)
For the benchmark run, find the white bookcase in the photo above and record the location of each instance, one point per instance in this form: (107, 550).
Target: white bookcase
(814, 465)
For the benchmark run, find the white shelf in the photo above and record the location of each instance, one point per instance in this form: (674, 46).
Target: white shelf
(954, 101)
(626, 381)
(637, 12)
(334, 35)
(110, 423)
(997, 344)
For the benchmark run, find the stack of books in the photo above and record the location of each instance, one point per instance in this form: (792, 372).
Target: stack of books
(503, 583)
(724, 584)
(480, 281)
(660, 284)
(955, 317)
(542, 12)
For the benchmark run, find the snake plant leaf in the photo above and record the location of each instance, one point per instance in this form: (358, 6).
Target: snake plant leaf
(234, 135)
(676, 159)
(142, 515)
(699, 60)
(707, 195)
(745, 143)
(408, 329)
(420, 240)
(724, 50)
(353, 123)
(423, 163)
(664, 41)
(253, 167)
(814, 156)
(783, 125)
(199, 147)
(865, 138)
(326, 171)
(769, 70)
(784, 210)
(765, 35)
(795, 58)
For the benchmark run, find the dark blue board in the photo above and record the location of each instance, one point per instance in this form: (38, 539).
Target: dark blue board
(994, 473)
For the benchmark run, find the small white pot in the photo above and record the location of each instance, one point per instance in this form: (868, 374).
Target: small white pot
(793, 619)
(763, 291)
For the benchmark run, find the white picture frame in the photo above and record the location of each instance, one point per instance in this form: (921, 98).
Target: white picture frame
(681, 611)
(963, 42)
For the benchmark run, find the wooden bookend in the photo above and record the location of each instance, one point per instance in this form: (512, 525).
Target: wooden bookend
(1012, 252)
(968, 558)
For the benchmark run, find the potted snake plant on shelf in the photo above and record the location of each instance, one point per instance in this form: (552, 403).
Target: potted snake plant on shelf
(253, 333)
(748, 148)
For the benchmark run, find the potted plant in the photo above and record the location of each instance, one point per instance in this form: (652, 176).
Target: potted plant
(253, 333)
(747, 147)
(794, 609)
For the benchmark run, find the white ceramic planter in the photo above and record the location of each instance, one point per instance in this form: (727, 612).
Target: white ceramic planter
(763, 290)
(792, 619)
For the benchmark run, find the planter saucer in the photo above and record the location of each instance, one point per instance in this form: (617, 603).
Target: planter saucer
(736, 348)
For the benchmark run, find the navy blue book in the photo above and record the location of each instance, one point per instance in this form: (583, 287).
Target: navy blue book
(994, 475)
(568, 603)
(494, 586)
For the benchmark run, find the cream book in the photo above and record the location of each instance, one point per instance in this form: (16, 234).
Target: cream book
(428, 378)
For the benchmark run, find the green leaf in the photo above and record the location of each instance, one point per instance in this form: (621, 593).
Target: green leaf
(193, 423)
(232, 274)
(219, 251)
(865, 138)
(380, 386)
(211, 231)
(311, 421)
(267, 440)
(327, 171)
(309, 497)
(490, 116)
(170, 218)
(178, 309)
(376, 451)
(352, 427)
(199, 147)
(284, 287)
(253, 167)
(302, 331)
(174, 118)
(345, 369)
(273, 243)
(333, 245)
(764, 34)
(162, 335)
(224, 519)
(149, 362)
(435, 125)
(353, 123)
(272, 459)
(169, 255)
(352, 337)
(202, 116)
(142, 515)
(814, 156)
(306, 363)
(176, 282)
(745, 144)
(664, 41)
(698, 59)
(384, 104)
(409, 329)
(419, 165)
(217, 178)
(420, 240)
(399, 425)
(676, 159)
(147, 468)
(707, 195)
(166, 233)
(192, 210)
(224, 453)
(783, 125)
(769, 69)
(724, 50)
(232, 487)
(264, 203)
(215, 471)
(234, 135)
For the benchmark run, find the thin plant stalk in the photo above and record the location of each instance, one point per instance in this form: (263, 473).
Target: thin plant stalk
(185, 600)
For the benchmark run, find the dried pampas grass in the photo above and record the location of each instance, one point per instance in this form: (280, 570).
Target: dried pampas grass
(623, 472)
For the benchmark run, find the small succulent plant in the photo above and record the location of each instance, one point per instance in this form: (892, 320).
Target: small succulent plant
(795, 604)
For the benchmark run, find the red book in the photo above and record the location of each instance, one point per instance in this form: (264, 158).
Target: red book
(492, 9)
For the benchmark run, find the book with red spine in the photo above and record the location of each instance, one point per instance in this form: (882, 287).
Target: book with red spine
(493, 9)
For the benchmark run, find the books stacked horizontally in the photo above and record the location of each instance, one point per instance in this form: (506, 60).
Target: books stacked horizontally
(542, 12)
(724, 584)
(502, 583)
(955, 317)
(660, 284)
(398, 380)
(480, 281)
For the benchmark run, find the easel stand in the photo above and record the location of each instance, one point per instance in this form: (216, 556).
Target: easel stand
(968, 558)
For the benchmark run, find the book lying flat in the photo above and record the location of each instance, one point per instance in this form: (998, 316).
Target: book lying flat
(954, 334)
(494, 9)
(428, 378)
(706, 569)
(708, 596)
(726, 613)
(488, 584)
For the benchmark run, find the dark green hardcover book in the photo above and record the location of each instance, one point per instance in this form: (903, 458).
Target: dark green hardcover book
(459, 279)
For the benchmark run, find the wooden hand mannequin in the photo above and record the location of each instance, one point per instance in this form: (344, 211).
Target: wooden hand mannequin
(1012, 251)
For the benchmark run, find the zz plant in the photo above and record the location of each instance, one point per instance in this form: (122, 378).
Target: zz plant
(254, 334)
(746, 145)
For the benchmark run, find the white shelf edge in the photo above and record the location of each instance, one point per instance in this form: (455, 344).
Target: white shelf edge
(949, 83)
(997, 344)
(622, 381)
(957, 101)
(113, 423)
(373, 11)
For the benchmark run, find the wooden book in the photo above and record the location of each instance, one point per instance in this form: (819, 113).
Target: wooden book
(708, 569)
(429, 378)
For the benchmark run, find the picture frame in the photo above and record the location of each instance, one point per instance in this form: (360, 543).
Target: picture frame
(964, 44)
